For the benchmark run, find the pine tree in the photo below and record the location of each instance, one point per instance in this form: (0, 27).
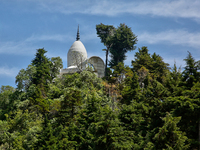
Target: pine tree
(47, 140)
(70, 104)
(40, 81)
(134, 119)
(191, 73)
(142, 59)
(131, 91)
(41, 77)
(155, 65)
(170, 136)
(173, 81)
(124, 40)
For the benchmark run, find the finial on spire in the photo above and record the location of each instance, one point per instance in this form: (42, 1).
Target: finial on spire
(78, 36)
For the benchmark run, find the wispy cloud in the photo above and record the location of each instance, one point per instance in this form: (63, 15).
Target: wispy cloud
(18, 48)
(176, 37)
(28, 45)
(9, 72)
(167, 8)
(56, 37)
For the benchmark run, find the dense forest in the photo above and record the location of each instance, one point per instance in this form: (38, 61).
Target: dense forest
(147, 105)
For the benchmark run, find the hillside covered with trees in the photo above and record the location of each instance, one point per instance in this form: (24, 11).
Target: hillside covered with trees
(145, 106)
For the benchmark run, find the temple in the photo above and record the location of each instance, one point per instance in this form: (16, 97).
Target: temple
(77, 60)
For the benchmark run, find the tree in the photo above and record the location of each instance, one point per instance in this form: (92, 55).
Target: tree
(118, 42)
(170, 136)
(121, 72)
(173, 81)
(186, 106)
(123, 41)
(134, 118)
(160, 68)
(142, 59)
(154, 64)
(46, 140)
(56, 65)
(6, 101)
(40, 81)
(20, 130)
(24, 78)
(105, 32)
(191, 73)
(42, 76)
(131, 90)
(69, 105)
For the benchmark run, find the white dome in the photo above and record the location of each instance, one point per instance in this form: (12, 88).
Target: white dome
(77, 54)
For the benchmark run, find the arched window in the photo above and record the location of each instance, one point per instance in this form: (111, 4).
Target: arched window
(91, 66)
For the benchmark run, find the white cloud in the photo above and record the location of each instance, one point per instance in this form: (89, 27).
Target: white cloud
(56, 37)
(19, 48)
(176, 37)
(167, 8)
(28, 46)
(10, 72)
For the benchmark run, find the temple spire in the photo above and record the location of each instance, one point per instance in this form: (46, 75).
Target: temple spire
(78, 36)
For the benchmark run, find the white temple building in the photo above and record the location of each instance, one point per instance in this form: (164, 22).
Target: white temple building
(77, 60)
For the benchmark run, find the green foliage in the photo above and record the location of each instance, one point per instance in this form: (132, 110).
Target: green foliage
(80, 111)
(191, 72)
(70, 103)
(188, 109)
(20, 129)
(131, 90)
(24, 77)
(55, 66)
(46, 140)
(121, 73)
(123, 41)
(117, 40)
(169, 135)
(42, 75)
(6, 101)
(106, 32)
(173, 81)
(155, 65)
(142, 59)
(134, 119)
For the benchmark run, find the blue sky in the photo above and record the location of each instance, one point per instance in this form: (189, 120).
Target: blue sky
(169, 28)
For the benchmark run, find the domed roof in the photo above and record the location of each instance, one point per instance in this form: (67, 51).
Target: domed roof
(77, 53)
